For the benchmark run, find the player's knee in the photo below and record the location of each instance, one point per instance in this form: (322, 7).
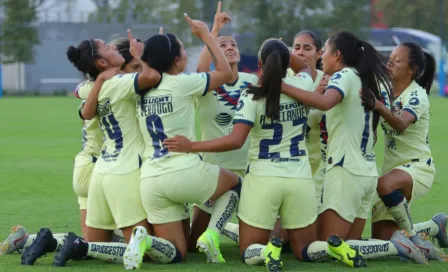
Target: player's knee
(385, 186)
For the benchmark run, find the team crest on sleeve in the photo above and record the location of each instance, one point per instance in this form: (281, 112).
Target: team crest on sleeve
(336, 76)
(240, 105)
(414, 101)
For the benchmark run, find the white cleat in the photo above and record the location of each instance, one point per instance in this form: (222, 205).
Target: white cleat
(133, 256)
(15, 241)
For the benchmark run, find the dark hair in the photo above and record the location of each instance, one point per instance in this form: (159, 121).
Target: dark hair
(370, 65)
(274, 56)
(316, 42)
(83, 58)
(123, 45)
(161, 51)
(423, 64)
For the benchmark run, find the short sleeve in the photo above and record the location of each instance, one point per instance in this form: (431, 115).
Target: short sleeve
(340, 81)
(126, 83)
(83, 89)
(195, 84)
(80, 108)
(245, 110)
(416, 104)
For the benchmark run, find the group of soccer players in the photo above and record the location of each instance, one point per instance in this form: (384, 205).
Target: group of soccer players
(291, 152)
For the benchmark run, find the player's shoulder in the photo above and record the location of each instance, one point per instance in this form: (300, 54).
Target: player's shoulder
(301, 80)
(416, 95)
(83, 89)
(248, 78)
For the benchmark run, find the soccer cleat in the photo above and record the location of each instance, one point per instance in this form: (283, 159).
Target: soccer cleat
(341, 251)
(43, 244)
(442, 238)
(135, 251)
(15, 241)
(406, 249)
(208, 243)
(273, 251)
(430, 251)
(71, 250)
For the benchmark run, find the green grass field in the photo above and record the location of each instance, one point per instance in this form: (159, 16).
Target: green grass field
(39, 140)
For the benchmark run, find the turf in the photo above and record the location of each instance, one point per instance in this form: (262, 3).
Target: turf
(39, 139)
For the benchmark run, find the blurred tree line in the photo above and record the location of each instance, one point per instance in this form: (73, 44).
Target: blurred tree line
(256, 19)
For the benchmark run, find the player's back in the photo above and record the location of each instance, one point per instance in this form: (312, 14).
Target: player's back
(350, 127)
(277, 148)
(167, 111)
(116, 112)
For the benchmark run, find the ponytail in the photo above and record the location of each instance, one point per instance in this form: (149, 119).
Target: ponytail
(370, 64)
(271, 85)
(423, 64)
(274, 56)
(427, 77)
(373, 74)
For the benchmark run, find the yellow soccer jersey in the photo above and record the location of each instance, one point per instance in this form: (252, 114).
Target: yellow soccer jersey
(312, 136)
(116, 112)
(349, 126)
(412, 144)
(165, 112)
(290, 73)
(277, 148)
(216, 110)
(92, 136)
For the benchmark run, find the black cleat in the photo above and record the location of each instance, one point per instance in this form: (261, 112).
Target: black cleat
(74, 248)
(43, 244)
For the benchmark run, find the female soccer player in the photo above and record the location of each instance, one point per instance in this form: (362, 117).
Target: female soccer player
(92, 141)
(170, 179)
(350, 180)
(216, 110)
(279, 176)
(308, 46)
(408, 168)
(122, 143)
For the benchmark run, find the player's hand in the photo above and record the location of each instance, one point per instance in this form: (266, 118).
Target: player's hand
(161, 31)
(221, 19)
(136, 48)
(108, 74)
(322, 84)
(178, 144)
(369, 100)
(198, 28)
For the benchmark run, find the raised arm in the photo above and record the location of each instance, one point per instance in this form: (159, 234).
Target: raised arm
(149, 77)
(298, 65)
(88, 111)
(205, 59)
(223, 73)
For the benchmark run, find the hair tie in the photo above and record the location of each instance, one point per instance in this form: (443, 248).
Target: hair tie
(91, 46)
(169, 43)
(360, 45)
